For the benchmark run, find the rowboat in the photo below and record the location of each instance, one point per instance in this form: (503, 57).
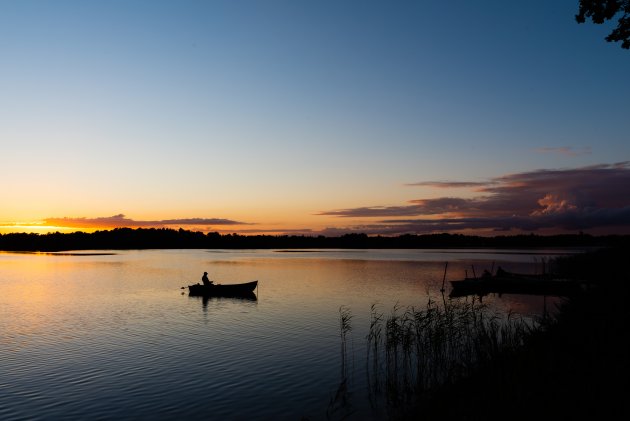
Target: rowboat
(511, 283)
(223, 290)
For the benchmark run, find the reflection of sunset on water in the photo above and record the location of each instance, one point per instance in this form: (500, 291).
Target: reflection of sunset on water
(78, 323)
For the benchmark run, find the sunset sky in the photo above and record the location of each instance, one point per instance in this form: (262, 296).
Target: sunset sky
(312, 117)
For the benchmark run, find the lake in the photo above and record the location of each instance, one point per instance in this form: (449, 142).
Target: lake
(111, 334)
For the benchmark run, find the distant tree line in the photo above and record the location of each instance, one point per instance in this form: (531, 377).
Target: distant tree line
(164, 238)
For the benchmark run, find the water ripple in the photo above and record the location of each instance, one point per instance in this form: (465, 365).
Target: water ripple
(135, 348)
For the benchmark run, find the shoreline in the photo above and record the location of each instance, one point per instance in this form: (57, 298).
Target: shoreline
(569, 369)
(141, 238)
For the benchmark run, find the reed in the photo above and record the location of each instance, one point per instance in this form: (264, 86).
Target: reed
(345, 327)
(339, 405)
(414, 350)
(457, 359)
(374, 335)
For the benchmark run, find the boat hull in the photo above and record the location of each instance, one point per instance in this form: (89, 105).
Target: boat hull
(223, 290)
(514, 285)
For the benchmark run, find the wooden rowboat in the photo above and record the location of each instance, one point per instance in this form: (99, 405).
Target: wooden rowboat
(223, 290)
(509, 283)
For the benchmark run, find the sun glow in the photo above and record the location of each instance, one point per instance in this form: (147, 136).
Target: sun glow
(33, 227)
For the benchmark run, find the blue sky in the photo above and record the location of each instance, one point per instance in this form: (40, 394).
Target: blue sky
(279, 113)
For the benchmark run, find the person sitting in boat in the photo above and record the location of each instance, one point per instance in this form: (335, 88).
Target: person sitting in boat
(207, 282)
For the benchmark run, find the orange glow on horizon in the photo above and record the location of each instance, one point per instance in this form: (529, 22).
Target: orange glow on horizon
(33, 228)
(241, 229)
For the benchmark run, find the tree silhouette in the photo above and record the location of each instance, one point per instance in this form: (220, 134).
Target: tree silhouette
(166, 238)
(600, 11)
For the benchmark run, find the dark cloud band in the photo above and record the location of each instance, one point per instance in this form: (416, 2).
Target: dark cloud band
(565, 199)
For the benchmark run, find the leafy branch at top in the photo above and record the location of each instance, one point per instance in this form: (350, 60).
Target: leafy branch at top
(600, 11)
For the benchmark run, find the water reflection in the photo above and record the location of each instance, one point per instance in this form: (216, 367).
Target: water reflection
(206, 299)
(110, 336)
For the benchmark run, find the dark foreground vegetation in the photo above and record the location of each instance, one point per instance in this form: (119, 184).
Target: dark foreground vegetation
(163, 238)
(455, 361)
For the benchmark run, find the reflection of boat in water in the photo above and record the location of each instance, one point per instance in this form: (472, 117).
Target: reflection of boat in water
(244, 290)
(504, 282)
(250, 296)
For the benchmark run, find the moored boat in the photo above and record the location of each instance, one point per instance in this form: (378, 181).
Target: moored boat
(223, 290)
(511, 283)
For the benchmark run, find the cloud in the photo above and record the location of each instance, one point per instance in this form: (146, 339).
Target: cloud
(563, 199)
(595, 197)
(277, 231)
(566, 151)
(119, 221)
(418, 207)
(448, 184)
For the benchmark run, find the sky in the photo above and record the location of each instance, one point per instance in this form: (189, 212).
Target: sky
(312, 117)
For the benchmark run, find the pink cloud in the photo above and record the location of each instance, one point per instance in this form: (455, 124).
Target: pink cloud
(448, 184)
(562, 199)
(566, 150)
(119, 221)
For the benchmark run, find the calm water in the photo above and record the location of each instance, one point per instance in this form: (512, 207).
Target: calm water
(112, 336)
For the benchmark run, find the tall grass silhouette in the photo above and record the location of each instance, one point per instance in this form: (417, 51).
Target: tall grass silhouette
(339, 405)
(411, 350)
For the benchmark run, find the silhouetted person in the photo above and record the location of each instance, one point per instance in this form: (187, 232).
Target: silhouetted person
(207, 282)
